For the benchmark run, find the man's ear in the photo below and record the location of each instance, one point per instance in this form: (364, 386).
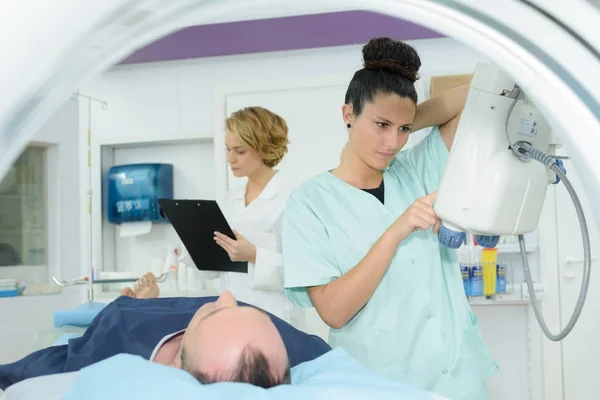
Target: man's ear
(177, 363)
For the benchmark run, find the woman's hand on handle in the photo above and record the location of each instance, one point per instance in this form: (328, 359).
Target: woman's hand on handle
(420, 216)
(339, 300)
(238, 250)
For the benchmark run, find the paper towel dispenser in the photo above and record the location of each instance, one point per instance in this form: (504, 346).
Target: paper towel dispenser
(134, 190)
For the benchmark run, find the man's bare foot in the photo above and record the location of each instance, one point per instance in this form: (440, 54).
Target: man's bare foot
(128, 292)
(146, 287)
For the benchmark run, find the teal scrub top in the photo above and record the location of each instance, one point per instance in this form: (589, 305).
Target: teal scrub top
(417, 327)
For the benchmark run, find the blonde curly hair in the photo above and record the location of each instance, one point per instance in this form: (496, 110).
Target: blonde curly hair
(262, 131)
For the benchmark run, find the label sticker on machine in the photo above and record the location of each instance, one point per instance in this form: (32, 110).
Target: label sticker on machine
(528, 127)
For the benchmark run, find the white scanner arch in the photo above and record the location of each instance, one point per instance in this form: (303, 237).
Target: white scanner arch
(550, 47)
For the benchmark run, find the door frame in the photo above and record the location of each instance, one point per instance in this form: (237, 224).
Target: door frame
(552, 353)
(222, 91)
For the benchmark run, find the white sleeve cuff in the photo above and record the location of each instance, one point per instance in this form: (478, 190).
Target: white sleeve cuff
(267, 273)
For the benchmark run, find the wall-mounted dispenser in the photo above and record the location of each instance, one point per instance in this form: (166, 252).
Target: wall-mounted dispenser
(134, 190)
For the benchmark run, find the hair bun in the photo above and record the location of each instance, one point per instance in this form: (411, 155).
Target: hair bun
(393, 56)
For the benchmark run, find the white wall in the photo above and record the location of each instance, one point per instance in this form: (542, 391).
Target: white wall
(161, 101)
(175, 100)
(32, 314)
(193, 179)
(564, 258)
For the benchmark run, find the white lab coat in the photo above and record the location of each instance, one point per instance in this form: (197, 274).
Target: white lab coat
(260, 223)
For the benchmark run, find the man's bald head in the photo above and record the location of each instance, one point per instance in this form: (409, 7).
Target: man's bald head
(227, 343)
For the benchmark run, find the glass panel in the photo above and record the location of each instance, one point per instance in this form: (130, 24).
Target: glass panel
(23, 226)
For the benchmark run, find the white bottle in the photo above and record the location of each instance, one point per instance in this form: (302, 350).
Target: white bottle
(182, 278)
(463, 254)
(170, 268)
(156, 266)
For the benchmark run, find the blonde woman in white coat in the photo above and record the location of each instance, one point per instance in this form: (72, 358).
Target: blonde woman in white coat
(256, 141)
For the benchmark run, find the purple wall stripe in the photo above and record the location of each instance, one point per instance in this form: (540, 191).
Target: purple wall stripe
(278, 34)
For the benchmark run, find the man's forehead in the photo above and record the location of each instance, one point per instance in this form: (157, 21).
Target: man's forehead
(213, 312)
(225, 311)
(206, 314)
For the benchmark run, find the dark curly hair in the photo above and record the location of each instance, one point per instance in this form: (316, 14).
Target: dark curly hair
(390, 66)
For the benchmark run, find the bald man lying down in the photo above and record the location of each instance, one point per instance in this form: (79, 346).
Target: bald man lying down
(214, 339)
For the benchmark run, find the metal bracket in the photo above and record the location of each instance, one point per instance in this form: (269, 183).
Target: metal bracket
(512, 94)
(85, 281)
(103, 103)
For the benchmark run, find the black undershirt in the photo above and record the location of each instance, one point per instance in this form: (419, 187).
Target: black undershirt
(378, 192)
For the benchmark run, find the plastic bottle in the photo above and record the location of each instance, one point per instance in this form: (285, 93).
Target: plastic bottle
(476, 275)
(501, 277)
(156, 266)
(465, 268)
(489, 264)
(182, 277)
(170, 268)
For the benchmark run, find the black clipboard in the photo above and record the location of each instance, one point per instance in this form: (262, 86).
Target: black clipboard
(195, 221)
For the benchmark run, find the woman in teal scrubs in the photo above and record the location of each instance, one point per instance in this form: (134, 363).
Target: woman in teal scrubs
(360, 242)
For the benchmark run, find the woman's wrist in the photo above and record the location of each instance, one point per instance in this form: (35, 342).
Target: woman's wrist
(396, 234)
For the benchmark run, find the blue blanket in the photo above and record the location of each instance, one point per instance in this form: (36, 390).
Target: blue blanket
(335, 375)
(135, 327)
(81, 316)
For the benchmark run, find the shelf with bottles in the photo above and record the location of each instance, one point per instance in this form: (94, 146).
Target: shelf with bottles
(488, 278)
(517, 293)
(494, 276)
(174, 278)
(493, 301)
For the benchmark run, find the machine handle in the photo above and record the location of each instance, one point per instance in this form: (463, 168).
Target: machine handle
(571, 260)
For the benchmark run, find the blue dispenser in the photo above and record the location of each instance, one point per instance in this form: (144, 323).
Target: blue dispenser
(134, 189)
